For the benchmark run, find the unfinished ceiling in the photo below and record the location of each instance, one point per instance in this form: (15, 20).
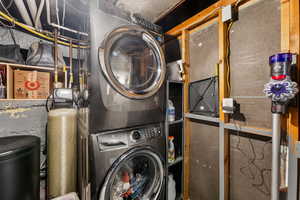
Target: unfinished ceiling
(149, 9)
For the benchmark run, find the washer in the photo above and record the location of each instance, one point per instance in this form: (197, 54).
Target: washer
(128, 160)
(127, 65)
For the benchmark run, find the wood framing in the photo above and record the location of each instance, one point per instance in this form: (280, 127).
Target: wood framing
(186, 65)
(290, 42)
(223, 93)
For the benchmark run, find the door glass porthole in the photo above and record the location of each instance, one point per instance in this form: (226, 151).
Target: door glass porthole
(133, 62)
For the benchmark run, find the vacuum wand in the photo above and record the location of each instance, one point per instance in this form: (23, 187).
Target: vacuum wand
(281, 89)
(276, 120)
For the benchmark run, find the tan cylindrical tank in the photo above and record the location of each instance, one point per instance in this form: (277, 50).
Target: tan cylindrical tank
(62, 152)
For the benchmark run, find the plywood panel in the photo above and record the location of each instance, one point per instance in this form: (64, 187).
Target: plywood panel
(204, 158)
(250, 167)
(204, 53)
(254, 37)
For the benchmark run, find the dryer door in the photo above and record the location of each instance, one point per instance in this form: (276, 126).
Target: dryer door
(133, 62)
(138, 174)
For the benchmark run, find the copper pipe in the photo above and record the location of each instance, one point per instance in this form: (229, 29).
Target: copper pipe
(55, 57)
(71, 64)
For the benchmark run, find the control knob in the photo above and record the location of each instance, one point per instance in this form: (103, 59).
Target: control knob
(136, 135)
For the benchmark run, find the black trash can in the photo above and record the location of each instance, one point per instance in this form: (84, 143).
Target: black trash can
(20, 168)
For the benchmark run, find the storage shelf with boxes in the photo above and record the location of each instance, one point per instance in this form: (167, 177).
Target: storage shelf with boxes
(25, 82)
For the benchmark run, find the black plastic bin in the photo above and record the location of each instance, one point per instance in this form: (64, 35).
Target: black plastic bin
(20, 168)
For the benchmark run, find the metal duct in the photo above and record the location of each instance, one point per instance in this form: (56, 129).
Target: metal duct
(62, 152)
(23, 11)
(33, 11)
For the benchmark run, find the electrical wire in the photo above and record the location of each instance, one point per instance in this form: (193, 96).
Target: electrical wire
(5, 25)
(256, 174)
(10, 4)
(33, 31)
(5, 8)
(228, 52)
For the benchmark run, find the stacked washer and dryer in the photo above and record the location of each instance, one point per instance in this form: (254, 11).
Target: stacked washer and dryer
(127, 144)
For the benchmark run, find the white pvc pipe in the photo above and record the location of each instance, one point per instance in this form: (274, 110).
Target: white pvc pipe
(33, 11)
(58, 26)
(23, 11)
(276, 130)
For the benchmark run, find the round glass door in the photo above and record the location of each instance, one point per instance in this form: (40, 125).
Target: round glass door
(133, 62)
(136, 176)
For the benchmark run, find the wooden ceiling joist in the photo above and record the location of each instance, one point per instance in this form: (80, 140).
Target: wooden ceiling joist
(200, 18)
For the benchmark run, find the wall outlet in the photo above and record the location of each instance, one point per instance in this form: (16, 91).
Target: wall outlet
(229, 13)
(228, 105)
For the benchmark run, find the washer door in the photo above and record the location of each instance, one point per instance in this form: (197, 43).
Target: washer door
(133, 62)
(138, 174)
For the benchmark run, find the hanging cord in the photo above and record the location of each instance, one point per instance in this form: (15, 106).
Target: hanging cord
(12, 36)
(256, 174)
(228, 52)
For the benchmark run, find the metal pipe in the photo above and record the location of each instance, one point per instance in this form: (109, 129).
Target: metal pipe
(58, 26)
(80, 70)
(23, 11)
(33, 11)
(55, 58)
(276, 130)
(71, 64)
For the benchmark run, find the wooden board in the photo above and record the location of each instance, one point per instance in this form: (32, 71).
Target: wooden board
(186, 64)
(223, 93)
(10, 83)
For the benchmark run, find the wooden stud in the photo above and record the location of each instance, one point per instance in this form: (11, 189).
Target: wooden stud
(285, 25)
(223, 93)
(10, 82)
(290, 42)
(187, 133)
(203, 16)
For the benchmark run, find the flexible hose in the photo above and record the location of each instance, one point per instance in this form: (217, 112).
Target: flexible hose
(12, 20)
(38, 14)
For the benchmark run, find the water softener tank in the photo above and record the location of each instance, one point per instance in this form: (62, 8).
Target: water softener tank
(62, 151)
(20, 168)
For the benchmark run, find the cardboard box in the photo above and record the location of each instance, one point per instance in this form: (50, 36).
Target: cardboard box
(31, 84)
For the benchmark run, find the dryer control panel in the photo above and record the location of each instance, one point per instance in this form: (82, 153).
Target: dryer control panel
(124, 139)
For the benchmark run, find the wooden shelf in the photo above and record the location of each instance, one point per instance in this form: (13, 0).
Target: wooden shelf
(178, 160)
(14, 65)
(23, 99)
(236, 127)
(174, 81)
(202, 117)
(249, 129)
(10, 67)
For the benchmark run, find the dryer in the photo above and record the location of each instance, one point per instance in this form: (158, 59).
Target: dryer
(127, 65)
(128, 164)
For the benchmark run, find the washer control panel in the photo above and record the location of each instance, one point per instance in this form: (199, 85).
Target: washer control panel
(145, 134)
(126, 138)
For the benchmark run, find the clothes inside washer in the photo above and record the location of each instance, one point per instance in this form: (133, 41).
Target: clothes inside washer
(134, 179)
